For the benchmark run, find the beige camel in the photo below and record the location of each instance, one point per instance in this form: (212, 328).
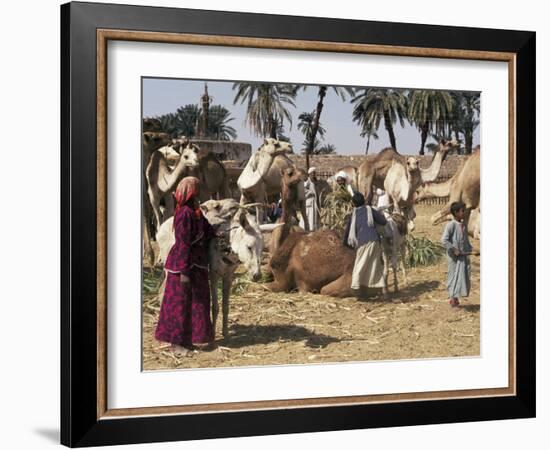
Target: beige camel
(400, 184)
(162, 180)
(152, 141)
(464, 186)
(262, 174)
(373, 171)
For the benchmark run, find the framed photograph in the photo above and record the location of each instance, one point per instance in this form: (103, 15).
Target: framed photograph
(272, 224)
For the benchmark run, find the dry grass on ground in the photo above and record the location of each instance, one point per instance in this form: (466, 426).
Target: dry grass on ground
(293, 328)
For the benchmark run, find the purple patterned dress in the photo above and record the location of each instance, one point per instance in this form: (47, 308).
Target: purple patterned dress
(184, 317)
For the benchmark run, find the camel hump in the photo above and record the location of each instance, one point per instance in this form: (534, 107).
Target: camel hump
(256, 168)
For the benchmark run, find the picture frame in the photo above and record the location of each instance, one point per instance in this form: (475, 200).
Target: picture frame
(86, 418)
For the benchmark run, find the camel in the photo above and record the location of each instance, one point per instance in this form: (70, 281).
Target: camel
(152, 141)
(463, 186)
(291, 179)
(261, 176)
(161, 180)
(239, 229)
(373, 171)
(313, 262)
(400, 184)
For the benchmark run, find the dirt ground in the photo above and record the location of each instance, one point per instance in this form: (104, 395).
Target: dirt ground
(291, 328)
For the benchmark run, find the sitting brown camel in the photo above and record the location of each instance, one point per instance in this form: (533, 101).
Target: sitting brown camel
(313, 262)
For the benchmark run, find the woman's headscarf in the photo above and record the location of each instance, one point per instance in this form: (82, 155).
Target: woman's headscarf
(187, 189)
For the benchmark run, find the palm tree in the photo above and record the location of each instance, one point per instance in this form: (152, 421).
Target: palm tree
(341, 93)
(374, 104)
(186, 120)
(327, 149)
(430, 110)
(469, 117)
(305, 125)
(266, 105)
(218, 128)
(370, 133)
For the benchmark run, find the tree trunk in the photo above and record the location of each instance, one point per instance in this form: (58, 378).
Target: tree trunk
(423, 137)
(272, 126)
(315, 123)
(389, 127)
(368, 145)
(468, 139)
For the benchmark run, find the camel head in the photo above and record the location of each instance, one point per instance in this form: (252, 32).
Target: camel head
(412, 164)
(151, 124)
(291, 176)
(245, 236)
(247, 243)
(275, 147)
(189, 152)
(171, 155)
(153, 140)
(219, 213)
(445, 146)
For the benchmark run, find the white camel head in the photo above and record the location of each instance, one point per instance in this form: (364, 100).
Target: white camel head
(245, 236)
(189, 152)
(170, 154)
(412, 164)
(275, 147)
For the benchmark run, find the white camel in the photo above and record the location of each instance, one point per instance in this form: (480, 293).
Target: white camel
(162, 178)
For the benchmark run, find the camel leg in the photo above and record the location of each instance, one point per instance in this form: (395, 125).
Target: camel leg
(280, 283)
(155, 204)
(341, 287)
(214, 299)
(226, 291)
(403, 258)
(438, 217)
(148, 253)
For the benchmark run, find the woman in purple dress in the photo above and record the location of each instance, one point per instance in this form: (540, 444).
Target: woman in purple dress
(184, 318)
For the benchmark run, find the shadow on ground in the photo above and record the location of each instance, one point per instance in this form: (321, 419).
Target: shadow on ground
(245, 335)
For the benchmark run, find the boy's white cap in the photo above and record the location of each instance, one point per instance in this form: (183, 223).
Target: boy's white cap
(311, 169)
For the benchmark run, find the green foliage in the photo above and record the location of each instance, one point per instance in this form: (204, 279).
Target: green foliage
(336, 209)
(422, 252)
(266, 105)
(184, 122)
(374, 104)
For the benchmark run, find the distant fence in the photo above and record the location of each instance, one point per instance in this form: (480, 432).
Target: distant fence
(326, 174)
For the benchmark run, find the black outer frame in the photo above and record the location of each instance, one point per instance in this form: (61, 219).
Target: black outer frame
(79, 424)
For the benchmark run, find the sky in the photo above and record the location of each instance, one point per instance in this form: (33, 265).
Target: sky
(162, 96)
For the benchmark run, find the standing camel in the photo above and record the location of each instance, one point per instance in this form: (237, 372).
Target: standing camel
(464, 186)
(373, 171)
(162, 180)
(152, 141)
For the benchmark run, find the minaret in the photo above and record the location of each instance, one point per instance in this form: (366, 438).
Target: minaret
(203, 119)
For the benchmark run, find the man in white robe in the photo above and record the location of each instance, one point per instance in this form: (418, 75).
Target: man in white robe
(312, 201)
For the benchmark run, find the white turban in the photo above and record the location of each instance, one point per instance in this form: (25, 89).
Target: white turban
(311, 170)
(343, 175)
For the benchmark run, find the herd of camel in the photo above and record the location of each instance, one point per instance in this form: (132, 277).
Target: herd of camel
(307, 261)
